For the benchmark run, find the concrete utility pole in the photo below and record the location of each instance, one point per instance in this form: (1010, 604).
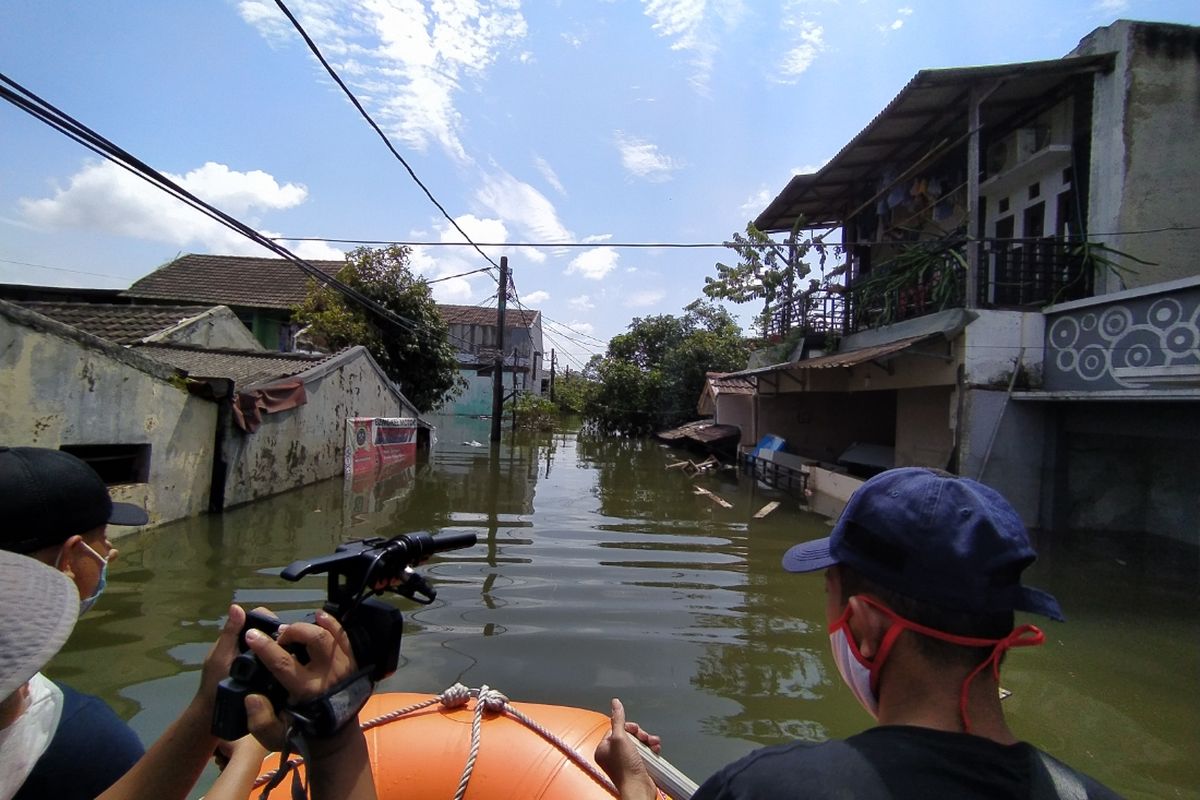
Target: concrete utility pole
(498, 364)
(551, 374)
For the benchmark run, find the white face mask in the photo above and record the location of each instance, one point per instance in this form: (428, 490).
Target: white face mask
(853, 668)
(86, 603)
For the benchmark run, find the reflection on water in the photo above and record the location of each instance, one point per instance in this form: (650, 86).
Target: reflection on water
(599, 573)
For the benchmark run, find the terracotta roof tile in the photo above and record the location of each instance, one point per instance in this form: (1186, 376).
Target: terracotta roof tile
(478, 315)
(123, 324)
(237, 281)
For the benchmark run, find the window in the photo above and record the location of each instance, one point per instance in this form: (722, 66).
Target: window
(1035, 190)
(1004, 228)
(1035, 221)
(1002, 206)
(114, 463)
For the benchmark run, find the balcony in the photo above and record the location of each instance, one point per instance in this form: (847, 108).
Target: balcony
(925, 277)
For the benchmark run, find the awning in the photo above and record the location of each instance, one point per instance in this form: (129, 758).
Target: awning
(864, 355)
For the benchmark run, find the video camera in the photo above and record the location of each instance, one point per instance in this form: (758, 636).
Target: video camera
(357, 570)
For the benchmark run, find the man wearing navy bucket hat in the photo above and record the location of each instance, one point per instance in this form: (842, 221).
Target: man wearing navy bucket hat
(922, 579)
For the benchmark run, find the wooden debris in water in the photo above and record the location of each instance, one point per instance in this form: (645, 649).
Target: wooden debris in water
(718, 500)
(678, 464)
(767, 509)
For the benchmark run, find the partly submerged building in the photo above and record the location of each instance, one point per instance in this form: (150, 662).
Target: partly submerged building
(1021, 302)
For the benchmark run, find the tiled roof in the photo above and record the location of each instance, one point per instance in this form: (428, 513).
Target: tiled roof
(245, 367)
(726, 385)
(230, 280)
(477, 315)
(123, 324)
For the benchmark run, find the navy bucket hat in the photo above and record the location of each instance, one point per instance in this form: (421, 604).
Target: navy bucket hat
(950, 541)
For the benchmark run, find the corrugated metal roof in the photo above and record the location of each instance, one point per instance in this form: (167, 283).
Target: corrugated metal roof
(932, 106)
(123, 324)
(245, 368)
(847, 359)
(237, 281)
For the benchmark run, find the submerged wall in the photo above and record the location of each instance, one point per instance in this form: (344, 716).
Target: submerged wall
(301, 445)
(61, 386)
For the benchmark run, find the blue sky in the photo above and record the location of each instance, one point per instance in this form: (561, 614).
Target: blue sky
(590, 121)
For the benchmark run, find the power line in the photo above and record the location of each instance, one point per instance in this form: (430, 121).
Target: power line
(337, 79)
(44, 111)
(60, 269)
(460, 275)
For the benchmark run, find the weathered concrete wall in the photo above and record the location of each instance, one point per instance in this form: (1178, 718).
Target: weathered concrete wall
(476, 399)
(1015, 465)
(1146, 149)
(217, 328)
(59, 386)
(305, 444)
(924, 437)
(992, 342)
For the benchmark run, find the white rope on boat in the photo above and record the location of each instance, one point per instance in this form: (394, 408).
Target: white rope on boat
(486, 700)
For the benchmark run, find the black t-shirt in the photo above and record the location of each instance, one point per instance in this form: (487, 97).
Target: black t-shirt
(896, 762)
(91, 748)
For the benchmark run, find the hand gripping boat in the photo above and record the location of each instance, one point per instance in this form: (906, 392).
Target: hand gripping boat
(473, 744)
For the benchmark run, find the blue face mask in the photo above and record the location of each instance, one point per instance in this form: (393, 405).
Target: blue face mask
(86, 603)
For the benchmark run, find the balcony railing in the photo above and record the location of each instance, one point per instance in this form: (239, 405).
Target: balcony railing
(927, 277)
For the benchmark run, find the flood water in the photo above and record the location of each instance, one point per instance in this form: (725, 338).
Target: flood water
(599, 572)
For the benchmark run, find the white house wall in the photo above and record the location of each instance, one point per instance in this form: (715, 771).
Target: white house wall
(993, 341)
(64, 389)
(737, 409)
(215, 329)
(301, 445)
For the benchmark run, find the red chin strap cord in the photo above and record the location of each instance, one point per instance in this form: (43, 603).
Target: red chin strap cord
(1021, 636)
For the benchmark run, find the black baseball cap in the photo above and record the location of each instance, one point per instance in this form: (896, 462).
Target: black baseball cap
(931, 536)
(47, 496)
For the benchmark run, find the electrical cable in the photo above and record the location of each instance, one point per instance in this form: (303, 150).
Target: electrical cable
(49, 114)
(312, 46)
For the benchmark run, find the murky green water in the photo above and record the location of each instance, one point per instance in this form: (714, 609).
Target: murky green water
(599, 573)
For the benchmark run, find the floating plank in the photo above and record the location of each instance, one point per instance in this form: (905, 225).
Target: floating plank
(678, 464)
(767, 509)
(718, 500)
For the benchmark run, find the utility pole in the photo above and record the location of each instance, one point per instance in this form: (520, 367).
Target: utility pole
(498, 363)
(551, 374)
(514, 391)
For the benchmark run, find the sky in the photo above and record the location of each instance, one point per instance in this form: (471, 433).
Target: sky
(597, 123)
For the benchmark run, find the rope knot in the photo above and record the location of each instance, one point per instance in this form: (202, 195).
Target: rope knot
(455, 696)
(492, 700)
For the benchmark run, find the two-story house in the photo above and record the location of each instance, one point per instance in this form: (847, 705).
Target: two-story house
(1021, 300)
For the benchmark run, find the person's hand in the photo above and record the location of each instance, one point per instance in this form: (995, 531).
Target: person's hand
(244, 750)
(330, 661)
(216, 664)
(618, 756)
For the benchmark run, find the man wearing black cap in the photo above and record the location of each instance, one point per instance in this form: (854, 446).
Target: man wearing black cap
(56, 509)
(922, 579)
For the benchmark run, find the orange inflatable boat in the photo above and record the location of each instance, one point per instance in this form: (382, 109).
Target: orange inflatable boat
(428, 746)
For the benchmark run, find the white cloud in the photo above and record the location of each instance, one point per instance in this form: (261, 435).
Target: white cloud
(808, 169)
(596, 237)
(582, 302)
(695, 27)
(523, 207)
(103, 197)
(536, 297)
(583, 327)
(438, 263)
(1111, 6)
(809, 42)
(406, 61)
(594, 264)
(646, 297)
(907, 12)
(643, 159)
(756, 202)
(548, 173)
(313, 251)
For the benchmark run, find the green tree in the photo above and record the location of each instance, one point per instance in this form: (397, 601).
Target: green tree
(766, 270)
(571, 392)
(651, 376)
(416, 353)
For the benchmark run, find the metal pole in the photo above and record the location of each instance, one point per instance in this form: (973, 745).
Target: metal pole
(498, 362)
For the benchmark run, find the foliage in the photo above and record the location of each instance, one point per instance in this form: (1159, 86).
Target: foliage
(534, 413)
(651, 376)
(931, 273)
(571, 392)
(417, 353)
(766, 270)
